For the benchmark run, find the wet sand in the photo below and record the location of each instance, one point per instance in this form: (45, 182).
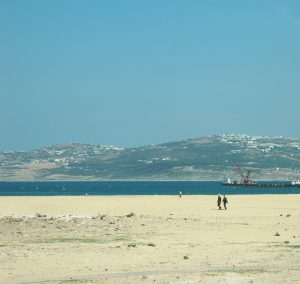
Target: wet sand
(150, 239)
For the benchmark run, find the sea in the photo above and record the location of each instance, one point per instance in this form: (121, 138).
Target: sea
(77, 188)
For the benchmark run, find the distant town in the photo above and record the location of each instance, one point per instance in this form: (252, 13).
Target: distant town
(205, 158)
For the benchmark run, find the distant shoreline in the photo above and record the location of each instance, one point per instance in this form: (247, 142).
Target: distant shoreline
(136, 180)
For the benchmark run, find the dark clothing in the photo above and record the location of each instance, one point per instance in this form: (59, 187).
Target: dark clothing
(219, 202)
(225, 201)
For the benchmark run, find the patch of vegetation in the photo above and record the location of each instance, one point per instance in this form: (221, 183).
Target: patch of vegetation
(130, 215)
(239, 271)
(287, 245)
(75, 281)
(294, 246)
(85, 240)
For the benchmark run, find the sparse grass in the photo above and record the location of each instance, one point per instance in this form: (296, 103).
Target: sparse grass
(74, 281)
(239, 271)
(287, 244)
(99, 216)
(84, 240)
(70, 281)
(39, 215)
(294, 246)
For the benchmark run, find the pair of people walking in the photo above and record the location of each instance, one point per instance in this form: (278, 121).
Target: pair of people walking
(225, 202)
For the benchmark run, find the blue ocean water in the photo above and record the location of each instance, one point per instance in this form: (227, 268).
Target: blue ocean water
(131, 188)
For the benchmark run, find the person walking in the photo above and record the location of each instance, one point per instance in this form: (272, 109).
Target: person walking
(219, 201)
(225, 202)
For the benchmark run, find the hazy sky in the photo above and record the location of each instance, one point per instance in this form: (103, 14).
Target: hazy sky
(132, 73)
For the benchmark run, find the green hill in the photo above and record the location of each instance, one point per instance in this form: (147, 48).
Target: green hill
(205, 158)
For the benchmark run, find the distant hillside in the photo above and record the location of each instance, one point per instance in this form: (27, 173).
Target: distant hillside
(205, 158)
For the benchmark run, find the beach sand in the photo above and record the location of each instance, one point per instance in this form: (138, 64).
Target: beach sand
(150, 239)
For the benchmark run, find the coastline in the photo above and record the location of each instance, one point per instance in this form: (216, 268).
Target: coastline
(130, 180)
(139, 239)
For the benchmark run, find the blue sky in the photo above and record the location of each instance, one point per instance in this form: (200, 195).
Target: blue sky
(132, 73)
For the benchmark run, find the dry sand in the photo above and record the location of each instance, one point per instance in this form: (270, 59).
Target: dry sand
(167, 239)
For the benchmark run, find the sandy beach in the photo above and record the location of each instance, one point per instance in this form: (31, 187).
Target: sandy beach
(150, 239)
